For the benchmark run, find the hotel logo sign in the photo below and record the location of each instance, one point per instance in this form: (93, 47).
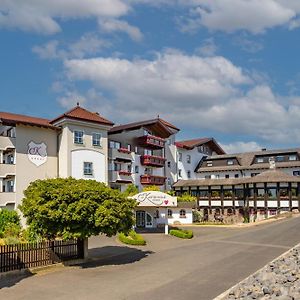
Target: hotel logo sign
(157, 199)
(37, 153)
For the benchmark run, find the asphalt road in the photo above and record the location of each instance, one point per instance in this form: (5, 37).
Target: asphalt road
(167, 268)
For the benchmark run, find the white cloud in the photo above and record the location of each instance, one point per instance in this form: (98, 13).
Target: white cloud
(239, 147)
(205, 93)
(254, 16)
(88, 44)
(41, 15)
(207, 48)
(113, 25)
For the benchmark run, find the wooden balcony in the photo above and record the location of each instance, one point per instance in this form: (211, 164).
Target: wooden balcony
(120, 176)
(152, 180)
(153, 161)
(121, 154)
(151, 141)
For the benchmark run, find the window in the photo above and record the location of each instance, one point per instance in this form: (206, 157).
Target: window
(207, 177)
(180, 173)
(136, 169)
(254, 174)
(169, 181)
(200, 149)
(148, 152)
(96, 139)
(180, 157)
(296, 173)
(217, 176)
(114, 145)
(260, 160)
(280, 158)
(129, 147)
(169, 164)
(182, 213)
(117, 167)
(88, 168)
(229, 162)
(170, 213)
(227, 176)
(188, 159)
(209, 164)
(293, 157)
(236, 175)
(78, 137)
(188, 174)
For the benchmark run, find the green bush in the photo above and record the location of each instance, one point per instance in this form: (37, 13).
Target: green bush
(183, 234)
(11, 230)
(132, 238)
(186, 197)
(8, 217)
(11, 240)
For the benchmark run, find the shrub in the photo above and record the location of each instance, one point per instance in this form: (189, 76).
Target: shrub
(183, 234)
(186, 197)
(8, 217)
(11, 240)
(151, 188)
(132, 238)
(11, 230)
(131, 190)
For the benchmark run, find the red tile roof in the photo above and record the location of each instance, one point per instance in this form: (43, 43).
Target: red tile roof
(190, 144)
(169, 124)
(10, 118)
(79, 113)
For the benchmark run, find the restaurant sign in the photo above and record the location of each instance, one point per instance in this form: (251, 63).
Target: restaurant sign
(157, 199)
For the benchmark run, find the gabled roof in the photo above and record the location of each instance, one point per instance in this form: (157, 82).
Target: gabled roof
(169, 124)
(13, 119)
(191, 144)
(81, 114)
(156, 125)
(247, 160)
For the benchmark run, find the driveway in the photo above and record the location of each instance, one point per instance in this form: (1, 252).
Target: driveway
(167, 268)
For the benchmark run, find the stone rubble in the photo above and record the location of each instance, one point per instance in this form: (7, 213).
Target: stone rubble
(279, 280)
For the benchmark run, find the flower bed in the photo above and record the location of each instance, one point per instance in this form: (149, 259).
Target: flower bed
(132, 238)
(183, 234)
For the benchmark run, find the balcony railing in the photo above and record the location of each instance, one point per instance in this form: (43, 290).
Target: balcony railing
(7, 170)
(6, 198)
(151, 141)
(152, 180)
(7, 142)
(153, 161)
(120, 176)
(121, 154)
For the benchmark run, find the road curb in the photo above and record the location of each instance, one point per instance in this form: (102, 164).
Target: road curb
(226, 293)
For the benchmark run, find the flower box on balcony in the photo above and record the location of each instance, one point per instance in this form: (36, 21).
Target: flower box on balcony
(126, 173)
(124, 150)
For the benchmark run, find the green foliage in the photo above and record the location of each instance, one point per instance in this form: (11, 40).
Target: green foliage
(197, 216)
(150, 188)
(8, 217)
(171, 193)
(132, 238)
(12, 240)
(29, 235)
(12, 230)
(183, 234)
(131, 190)
(71, 208)
(186, 197)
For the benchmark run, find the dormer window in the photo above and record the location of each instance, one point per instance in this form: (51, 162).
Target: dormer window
(260, 160)
(293, 157)
(229, 162)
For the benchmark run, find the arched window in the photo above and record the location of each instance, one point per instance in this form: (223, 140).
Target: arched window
(170, 213)
(182, 213)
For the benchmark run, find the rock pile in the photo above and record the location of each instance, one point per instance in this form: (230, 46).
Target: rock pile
(279, 280)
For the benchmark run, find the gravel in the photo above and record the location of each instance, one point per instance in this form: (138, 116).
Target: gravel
(279, 280)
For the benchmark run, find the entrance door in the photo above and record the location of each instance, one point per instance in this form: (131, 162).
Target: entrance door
(140, 219)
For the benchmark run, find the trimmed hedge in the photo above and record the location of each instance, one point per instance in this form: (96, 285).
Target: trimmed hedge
(132, 239)
(183, 234)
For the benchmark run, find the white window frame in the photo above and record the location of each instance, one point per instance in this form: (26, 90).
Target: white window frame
(91, 168)
(74, 137)
(230, 162)
(293, 156)
(96, 139)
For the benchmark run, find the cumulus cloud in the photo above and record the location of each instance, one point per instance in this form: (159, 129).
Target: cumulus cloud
(88, 44)
(113, 25)
(208, 47)
(41, 15)
(254, 16)
(239, 147)
(208, 93)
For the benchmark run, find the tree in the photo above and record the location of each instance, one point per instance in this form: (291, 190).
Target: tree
(150, 188)
(131, 190)
(71, 208)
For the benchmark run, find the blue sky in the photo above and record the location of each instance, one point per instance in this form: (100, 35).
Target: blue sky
(224, 68)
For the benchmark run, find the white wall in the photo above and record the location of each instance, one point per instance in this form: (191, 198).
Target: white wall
(78, 157)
